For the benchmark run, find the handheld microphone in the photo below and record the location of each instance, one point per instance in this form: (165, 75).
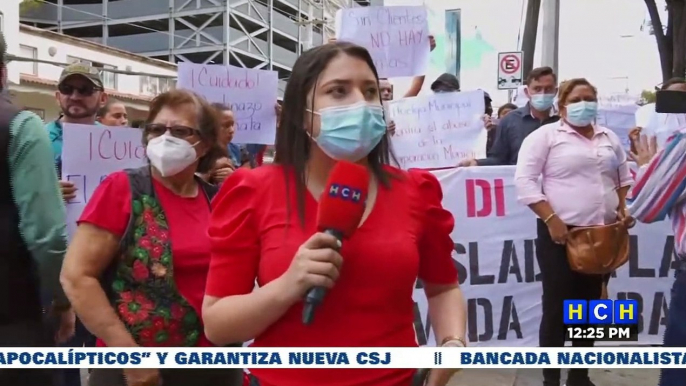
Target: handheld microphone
(341, 208)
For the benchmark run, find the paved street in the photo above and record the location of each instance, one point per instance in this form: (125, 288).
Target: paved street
(642, 377)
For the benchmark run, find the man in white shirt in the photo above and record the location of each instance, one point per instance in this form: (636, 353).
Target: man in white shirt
(661, 126)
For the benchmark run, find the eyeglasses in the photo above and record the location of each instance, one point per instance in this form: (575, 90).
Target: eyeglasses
(87, 90)
(178, 131)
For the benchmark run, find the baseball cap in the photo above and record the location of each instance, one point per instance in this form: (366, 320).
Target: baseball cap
(78, 69)
(446, 82)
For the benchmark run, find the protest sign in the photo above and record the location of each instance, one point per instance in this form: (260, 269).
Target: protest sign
(396, 37)
(251, 94)
(625, 102)
(495, 255)
(438, 130)
(619, 121)
(91, 153)
(617, 113)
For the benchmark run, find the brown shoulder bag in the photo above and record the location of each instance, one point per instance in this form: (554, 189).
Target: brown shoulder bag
(600, 249)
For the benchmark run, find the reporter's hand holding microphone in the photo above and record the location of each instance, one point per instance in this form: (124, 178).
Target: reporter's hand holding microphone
(316, 264)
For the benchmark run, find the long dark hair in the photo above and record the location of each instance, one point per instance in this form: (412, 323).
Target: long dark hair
(292, 142)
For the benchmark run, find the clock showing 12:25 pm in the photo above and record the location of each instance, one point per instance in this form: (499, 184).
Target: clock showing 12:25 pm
(601, 332)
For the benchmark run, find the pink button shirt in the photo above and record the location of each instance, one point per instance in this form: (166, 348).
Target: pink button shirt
(578, 176)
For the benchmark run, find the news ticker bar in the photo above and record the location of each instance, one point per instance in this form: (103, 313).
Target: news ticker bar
(603, 333)
(299, 358)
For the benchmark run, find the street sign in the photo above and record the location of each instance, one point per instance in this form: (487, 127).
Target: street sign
(510, 73)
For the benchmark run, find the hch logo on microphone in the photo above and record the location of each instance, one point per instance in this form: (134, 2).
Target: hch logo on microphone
(492, 195)
(345, 192)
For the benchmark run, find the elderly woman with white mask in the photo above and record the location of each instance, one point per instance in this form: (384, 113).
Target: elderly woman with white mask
(136, 269)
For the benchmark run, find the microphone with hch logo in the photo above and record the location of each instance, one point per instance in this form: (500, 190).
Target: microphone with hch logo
(341, 208)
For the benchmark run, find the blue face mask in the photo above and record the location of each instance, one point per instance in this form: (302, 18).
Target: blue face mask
(350, 133)
(542, 102)
(581, 114)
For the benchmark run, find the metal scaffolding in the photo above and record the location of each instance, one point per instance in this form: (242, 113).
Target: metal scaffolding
(267, 34)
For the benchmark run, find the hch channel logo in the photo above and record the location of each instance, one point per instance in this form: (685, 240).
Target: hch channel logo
(601, 311)
(605, 320)
(345, 192)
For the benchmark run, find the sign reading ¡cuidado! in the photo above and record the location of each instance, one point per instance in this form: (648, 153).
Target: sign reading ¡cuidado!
(249, 93)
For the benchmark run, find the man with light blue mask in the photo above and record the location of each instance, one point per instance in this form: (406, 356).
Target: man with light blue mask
(541, 89)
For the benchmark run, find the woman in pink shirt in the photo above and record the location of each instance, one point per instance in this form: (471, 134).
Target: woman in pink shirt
(584, 178)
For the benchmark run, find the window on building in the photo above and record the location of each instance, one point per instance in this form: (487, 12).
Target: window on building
(2, 22)
(29, 68)
(109, 79)
(154, 86)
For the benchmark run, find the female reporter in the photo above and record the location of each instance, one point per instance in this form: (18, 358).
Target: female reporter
(584, 180)
(136, 269)
(332, 111)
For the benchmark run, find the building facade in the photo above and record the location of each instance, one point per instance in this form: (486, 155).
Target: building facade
(266, 34)
(9, 25)
(41, 53)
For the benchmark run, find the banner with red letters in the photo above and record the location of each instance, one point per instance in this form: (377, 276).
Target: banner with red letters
(495, 254)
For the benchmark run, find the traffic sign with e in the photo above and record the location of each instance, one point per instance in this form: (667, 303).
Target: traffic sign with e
(510, 70)
(510, 64)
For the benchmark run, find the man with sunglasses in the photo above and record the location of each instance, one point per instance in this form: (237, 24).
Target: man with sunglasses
(34, 240)
(80, 94)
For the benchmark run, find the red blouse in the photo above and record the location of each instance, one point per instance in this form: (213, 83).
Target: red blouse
(407, 235)
(188, 218)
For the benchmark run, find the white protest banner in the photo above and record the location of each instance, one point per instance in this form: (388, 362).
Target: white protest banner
(396, 37)
(91, 153)
(495, 254)
(438, 130)
(251, 94)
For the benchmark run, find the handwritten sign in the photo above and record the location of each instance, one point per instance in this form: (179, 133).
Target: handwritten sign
(396, 37)
(621, 122)
(91, 153)
(626, 102)
(617, 113)
(437, 131)
(251, 94)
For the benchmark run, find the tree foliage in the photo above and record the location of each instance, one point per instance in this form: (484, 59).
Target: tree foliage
(670, 38)
(648, 96)
(26, 5)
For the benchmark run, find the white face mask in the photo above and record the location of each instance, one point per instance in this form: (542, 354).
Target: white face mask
(170, 155)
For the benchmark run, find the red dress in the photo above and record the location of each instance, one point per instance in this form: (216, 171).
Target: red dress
(110, 209)
(255, 232)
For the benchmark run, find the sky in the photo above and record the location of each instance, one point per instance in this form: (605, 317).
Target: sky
(610, 51)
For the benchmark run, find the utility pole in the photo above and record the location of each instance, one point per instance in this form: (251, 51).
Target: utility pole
(551, 34)
(533, 8)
